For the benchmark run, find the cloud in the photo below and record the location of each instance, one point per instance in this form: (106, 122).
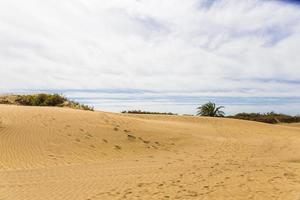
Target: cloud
(208, 47)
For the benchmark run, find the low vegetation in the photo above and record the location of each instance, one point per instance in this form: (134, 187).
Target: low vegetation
(43, 100)
(147, 112)
(271, 118)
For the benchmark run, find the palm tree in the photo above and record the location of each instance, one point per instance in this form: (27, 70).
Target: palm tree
(210, 109)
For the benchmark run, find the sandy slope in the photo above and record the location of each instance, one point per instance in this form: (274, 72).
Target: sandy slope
(291, 124)
(55, 153)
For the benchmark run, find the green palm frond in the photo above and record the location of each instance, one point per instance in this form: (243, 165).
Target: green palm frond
(210, 109)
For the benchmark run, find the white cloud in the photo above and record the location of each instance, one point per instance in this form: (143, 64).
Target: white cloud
(241, 48)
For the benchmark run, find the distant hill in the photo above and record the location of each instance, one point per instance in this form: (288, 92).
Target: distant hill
(55, 100)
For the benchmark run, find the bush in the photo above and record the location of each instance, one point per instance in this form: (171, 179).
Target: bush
(41, 100)
(77, 105)
(45, 100)
(271, 118)
(54, 100)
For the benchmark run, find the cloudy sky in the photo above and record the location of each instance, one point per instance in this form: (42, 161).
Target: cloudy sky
(164, 55)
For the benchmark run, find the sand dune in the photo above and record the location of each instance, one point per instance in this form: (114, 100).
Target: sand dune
(65, 154)
(291, 124)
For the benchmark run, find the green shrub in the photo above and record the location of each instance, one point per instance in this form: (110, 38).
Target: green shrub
(54, 100)
(271, 118)
(41, 100)
(48, 100)
(77, 105)
(86, 107)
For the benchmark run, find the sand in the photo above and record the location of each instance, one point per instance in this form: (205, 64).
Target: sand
(291, 124)
(65, 154)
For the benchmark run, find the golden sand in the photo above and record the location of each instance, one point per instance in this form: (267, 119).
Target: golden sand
(65, 154)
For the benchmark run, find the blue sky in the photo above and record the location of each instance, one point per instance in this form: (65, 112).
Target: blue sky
(155, 55)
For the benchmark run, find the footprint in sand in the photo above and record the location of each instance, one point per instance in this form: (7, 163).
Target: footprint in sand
(88, 134)
(144, 141)
(157, 143)
(104, 140)
(131, 137)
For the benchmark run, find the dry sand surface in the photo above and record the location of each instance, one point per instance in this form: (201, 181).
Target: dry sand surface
(65, 154)
(291, 124)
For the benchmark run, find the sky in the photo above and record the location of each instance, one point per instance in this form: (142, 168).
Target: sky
(159, 55)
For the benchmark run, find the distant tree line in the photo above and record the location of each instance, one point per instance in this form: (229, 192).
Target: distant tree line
(211, 110)
(271, 117)
(147, 112)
